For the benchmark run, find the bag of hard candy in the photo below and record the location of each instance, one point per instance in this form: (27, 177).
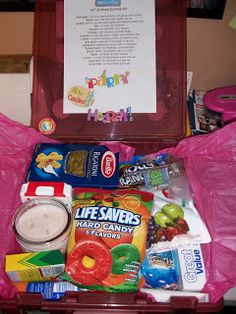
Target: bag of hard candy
(108, 240)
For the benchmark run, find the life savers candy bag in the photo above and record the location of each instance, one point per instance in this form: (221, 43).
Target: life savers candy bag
(75, 164)
(108, 239)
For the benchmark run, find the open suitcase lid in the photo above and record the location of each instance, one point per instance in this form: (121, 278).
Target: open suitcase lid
(165, 126)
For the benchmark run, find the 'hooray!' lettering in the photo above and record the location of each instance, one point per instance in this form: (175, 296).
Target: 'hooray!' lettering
(111, 214)
(110, 116)
(108, 81)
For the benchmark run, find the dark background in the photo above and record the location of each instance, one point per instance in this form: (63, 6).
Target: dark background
(17, 5)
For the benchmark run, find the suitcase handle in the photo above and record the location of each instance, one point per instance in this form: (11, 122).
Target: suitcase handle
(95, 302)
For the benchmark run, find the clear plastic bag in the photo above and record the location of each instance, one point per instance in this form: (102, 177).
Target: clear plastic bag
(210, 163)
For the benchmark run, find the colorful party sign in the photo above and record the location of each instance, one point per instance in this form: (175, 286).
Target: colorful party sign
(109, 56)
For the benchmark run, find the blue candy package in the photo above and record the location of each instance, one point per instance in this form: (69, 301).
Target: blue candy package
(181, 269)
(160, 159)
(161, 269)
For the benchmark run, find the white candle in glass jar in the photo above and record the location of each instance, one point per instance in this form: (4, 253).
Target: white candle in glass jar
(42, 224)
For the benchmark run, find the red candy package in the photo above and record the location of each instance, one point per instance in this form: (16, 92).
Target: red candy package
(108, 239)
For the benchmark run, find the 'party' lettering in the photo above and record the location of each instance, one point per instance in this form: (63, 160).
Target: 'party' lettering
(108, 81)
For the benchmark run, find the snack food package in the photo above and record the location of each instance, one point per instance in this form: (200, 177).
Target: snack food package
(141, 171)
(75, 164)
(181, 269)
(175, 225)
(50, 290)
(161, 269)
(108, 239)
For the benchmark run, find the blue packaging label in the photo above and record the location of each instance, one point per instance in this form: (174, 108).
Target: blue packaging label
(51, 290)
(107, 3)
(160, 268)
(161, 260)
(76, 164)
(162, 159)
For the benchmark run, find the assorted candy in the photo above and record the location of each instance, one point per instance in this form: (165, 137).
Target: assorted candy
(142, 232)
(149, 173)
(175, 224)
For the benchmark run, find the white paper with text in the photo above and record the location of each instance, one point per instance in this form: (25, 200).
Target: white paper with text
(109, 56)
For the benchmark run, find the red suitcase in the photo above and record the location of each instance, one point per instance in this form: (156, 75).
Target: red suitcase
(147, 133)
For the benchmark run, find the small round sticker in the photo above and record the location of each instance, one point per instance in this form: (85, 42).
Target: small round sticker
(47, 126)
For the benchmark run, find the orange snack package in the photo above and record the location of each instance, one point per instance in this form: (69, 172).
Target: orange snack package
(108, 239)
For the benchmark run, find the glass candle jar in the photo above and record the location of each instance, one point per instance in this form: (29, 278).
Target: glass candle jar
(42, 224)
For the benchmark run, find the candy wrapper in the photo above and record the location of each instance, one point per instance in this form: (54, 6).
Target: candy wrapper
(161, 269)
(175, 225)
(108, 240)
(181, 269)
(141, 171)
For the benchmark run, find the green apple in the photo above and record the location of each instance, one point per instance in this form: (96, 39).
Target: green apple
(162, 219)
(173, 211)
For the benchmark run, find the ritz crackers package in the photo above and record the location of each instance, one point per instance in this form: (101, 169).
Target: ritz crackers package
(108, 239)
(81, 165)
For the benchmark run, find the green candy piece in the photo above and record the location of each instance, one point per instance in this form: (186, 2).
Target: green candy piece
(124, 255)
